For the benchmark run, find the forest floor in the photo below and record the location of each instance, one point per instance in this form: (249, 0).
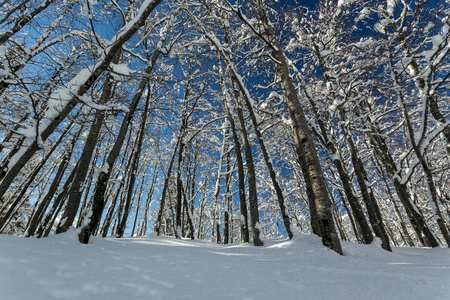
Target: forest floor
(153, 267)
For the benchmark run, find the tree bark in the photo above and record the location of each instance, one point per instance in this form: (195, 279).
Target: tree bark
(245, 237)
(134, 168)
(19, 199)
(23, 21)
(252, 190)
(162, 203)
(51, 191)
(304, 143)
(105, 173)
(76, 190)
(57, 204)
(421, 227)
(53, 121)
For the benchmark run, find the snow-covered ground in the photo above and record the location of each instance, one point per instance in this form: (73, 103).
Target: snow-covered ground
(153, 267)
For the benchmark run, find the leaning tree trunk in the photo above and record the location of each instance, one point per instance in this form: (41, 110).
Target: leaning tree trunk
(179, 185)
(162, 203)
(51, 191)
(83, 210)
(23, 21)
(138, 206)
(367, 196)
(134, 168)
(226, 221)
(189, 215)
(240, 163)
(248, 101)
(371, 204)
(382, 172)
(57, 204)
(20, 198)
(252, 190)
(105, 173)
(330, 144)
(81, 84)
(416, 145)
(76, 190)
(143, 229)
(236, 79)
(419, 224)
(112, 205)
(303, 140)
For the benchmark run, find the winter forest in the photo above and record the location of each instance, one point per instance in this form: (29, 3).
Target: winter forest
(227, 121)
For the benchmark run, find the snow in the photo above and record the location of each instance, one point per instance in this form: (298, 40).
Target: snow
(390, 6)
(345, 2)
(364, 43)
(62, 96)
(121, 69)
(438, 42)
(363, 14)
(153, 267)
(105, 168)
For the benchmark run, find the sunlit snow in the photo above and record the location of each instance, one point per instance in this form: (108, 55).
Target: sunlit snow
(153, 267)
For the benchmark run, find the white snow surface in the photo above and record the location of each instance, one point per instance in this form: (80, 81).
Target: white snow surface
(154, 267)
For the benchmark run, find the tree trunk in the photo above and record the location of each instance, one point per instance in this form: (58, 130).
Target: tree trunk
(252, 190)
(143, 229)
(162, 203)
(305, 145)
(372, 207)
(134, 168)
(55, 117)
(361, 223)
(188, 215)
(76, 190)
(138, 206)
(51, 191)
(19, 199)
(57, 204)
(105, 173)
(23, 21)
(226, 221)
(421, 227)
(179, 183)
(245, 238)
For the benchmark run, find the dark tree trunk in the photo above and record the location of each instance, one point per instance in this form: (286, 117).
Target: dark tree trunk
(134, 169)
(51, 191)
(23, 21)
(84, 210)
(252, 191)
(226, 221)
(76, 191)
(110, 213)
(133, 230)
(189, 216)
(23, 189)
(421, 227)
(320, 204)
(245, 238)
(84, 87)
(57, 204)
(143, 229)
(370, 201)
(360, 219)
(162, 203)
(178, 206)
(279, 192)
(105, 173)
